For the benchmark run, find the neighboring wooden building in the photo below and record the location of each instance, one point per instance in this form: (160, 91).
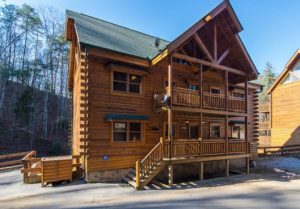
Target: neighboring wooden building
(145, 103)
(264, 125)
(285, 105)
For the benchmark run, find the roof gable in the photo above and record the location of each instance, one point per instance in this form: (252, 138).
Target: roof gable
(109, 36)
(292, 64)
(230, 26)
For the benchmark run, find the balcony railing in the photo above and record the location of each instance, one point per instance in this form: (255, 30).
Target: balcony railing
(191, 98)
(264, 107)
(183, 148)
(264, 125)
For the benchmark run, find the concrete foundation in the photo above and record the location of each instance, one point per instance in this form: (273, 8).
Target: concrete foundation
(107, 176)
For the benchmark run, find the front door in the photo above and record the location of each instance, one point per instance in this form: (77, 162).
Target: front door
(193, 131)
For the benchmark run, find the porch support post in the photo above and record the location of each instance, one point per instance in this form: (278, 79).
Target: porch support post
(246, 118)
(247, 165)
(201, 171)
(246, 127)
(170, 115)
(201, 85)
(170, 175)
(227, 166)
(226, 90)
(226, 135)
(201, 135)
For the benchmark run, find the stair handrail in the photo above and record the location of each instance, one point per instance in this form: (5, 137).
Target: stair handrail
(139, 164)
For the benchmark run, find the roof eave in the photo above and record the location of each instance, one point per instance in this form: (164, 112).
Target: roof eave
(295, 56)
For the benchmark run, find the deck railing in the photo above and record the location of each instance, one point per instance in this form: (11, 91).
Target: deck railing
(235, 103)
(264, 107)
(32, 165)
(215, 101)
(265, 125)
(144, 167)
(186, 97)
(181, 97)
(12, 159)
(192, 98)
(183, 148)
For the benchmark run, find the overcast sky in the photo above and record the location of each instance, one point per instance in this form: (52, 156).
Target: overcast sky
(271, 27)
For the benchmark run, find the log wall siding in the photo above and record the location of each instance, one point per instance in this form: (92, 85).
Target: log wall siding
(95, 134)
(285, 111)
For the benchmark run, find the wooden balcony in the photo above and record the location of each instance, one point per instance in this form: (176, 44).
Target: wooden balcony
(191, 98)
(264, 107)
(264, 125)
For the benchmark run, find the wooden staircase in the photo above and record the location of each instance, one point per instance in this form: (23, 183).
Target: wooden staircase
(147, 168)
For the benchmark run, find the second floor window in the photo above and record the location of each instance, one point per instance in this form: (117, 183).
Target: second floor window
(215, 131)
(126, 82)
(194, 87)
(214, 90)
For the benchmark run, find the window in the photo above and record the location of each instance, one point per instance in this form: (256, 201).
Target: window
(173, 130)
(214, 90)
(215, 131)
(123, 82)
(238, 95)
(238, 132)
(293, 75)
(127, 132)
(120, 130)
(194, 87)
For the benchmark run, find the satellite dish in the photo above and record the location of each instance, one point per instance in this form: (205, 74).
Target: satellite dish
(157, 42)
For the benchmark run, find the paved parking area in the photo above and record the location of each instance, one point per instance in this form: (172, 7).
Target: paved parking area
(257, 190)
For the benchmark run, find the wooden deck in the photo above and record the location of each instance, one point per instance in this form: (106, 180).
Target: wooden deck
(188, 151)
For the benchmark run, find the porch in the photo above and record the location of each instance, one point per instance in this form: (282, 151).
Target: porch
(188, 151)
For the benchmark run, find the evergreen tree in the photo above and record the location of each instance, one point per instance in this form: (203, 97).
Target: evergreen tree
(267, 79)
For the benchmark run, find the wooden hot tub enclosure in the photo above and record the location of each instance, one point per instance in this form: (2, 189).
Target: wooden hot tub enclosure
(141, 104)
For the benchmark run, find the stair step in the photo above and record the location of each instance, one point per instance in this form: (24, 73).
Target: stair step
(160, 184)
(130, 181)
(132, 176)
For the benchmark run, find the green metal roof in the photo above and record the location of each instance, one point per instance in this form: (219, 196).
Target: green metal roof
(99, 33)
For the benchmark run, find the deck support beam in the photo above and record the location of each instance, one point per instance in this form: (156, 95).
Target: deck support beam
(247, 165)
(170, 115)
(201, 171)
(227, 166)
(170, 175)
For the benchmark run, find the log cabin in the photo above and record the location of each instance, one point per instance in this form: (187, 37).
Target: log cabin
(264, 127)
(285, 105)
(146, 108)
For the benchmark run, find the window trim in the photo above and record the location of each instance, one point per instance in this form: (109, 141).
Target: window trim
(127, 92)
(127, 142)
